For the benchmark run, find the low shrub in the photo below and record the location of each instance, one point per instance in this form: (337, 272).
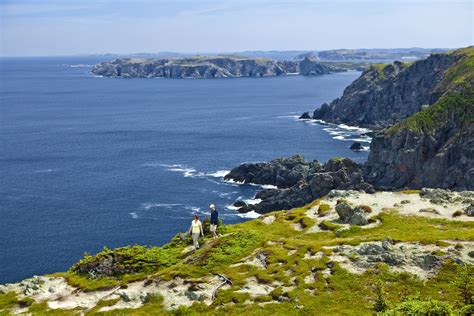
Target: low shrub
(421, 308)
(323, 209)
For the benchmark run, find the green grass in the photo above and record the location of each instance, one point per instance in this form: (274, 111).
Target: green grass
(354, 294)
(323, 209)
(451, 105)
(8, 300)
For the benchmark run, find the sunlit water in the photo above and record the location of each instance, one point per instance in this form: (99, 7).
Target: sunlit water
(88, 162)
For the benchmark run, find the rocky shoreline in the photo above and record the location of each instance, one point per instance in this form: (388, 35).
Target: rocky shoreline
(424, 135)
(298, 181)
(211, 67)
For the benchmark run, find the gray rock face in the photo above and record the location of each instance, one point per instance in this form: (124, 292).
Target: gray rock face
(299, 181)
(209, 67)
(349, 215)
(470, 210)
(310, 66)
(443, 158)
(384, 95)
(344, 211)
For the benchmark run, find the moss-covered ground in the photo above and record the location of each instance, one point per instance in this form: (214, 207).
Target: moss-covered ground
(340, 293)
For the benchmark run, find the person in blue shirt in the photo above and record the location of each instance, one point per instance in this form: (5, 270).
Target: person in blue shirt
(214, 220)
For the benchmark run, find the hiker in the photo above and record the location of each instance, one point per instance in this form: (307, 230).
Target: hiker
(214, 220)
(195, 230)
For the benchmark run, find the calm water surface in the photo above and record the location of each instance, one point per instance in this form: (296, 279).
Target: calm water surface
(88, 162)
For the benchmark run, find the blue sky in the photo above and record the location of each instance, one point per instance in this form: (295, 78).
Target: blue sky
(69, 27)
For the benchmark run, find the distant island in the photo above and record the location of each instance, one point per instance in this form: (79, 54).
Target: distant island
(211, 67)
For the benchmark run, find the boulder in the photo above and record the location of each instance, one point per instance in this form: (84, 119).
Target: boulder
(426, 262)
(305, 116)
(240, 203)
(469, 210)
(299, 181)
(358, 218)
(371, 249)
(344, 211)
(354, 216)
(356, 146)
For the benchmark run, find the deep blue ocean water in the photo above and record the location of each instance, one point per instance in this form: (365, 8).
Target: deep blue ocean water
(88, 162)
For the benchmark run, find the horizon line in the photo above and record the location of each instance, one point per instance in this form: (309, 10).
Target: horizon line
(232, 52)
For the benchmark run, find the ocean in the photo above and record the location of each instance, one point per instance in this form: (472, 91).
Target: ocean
(88, 162)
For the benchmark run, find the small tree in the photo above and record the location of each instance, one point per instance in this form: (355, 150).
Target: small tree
(380, 303)
(464, 281)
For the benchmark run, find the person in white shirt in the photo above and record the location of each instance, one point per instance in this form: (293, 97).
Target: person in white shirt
(195, 230)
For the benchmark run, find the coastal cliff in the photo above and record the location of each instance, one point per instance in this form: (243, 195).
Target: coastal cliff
(434, 147)
(210, 67)
(386, 94)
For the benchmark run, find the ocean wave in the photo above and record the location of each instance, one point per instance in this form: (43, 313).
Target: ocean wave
(252, 201)
(45, 170)
(231, 207)
(218, 174)
(263, 186)
(188, 171)
(194, 209)
(294, 117)
(345, 132)
(81, 66)
(147, 206)
(134, 215)
(251, 214)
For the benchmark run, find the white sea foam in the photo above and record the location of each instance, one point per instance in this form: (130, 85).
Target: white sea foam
(294, 117)
(268, 186)
(134, 215)
(46, 170)
(263, 186)
(253, 201)
(194, 209)
(231, 207)
(148, 206)
(218, 174)
(251, 214)
(188, 171)
(81, 66)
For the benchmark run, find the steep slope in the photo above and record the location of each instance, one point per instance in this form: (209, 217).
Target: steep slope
(386, 94)
(209, 67)
(304, 261)
(434, 147)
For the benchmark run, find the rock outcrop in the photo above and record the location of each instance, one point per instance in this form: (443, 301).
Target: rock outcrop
(210, 67)
(434, 148)
(386, 94)
(299, 181)
(427, 111)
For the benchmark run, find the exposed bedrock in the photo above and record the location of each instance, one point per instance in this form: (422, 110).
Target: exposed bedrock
(299, 181)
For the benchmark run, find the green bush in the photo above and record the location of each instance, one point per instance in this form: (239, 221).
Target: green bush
(323, 209)
(421, 308)
(380, 304)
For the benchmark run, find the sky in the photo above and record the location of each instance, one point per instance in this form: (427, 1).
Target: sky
(77, 27)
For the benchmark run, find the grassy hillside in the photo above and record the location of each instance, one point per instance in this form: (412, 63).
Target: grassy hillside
(288, 253)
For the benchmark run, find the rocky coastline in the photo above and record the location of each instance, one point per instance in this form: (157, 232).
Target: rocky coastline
(423, 116)
(298, 181)
(211, 67)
